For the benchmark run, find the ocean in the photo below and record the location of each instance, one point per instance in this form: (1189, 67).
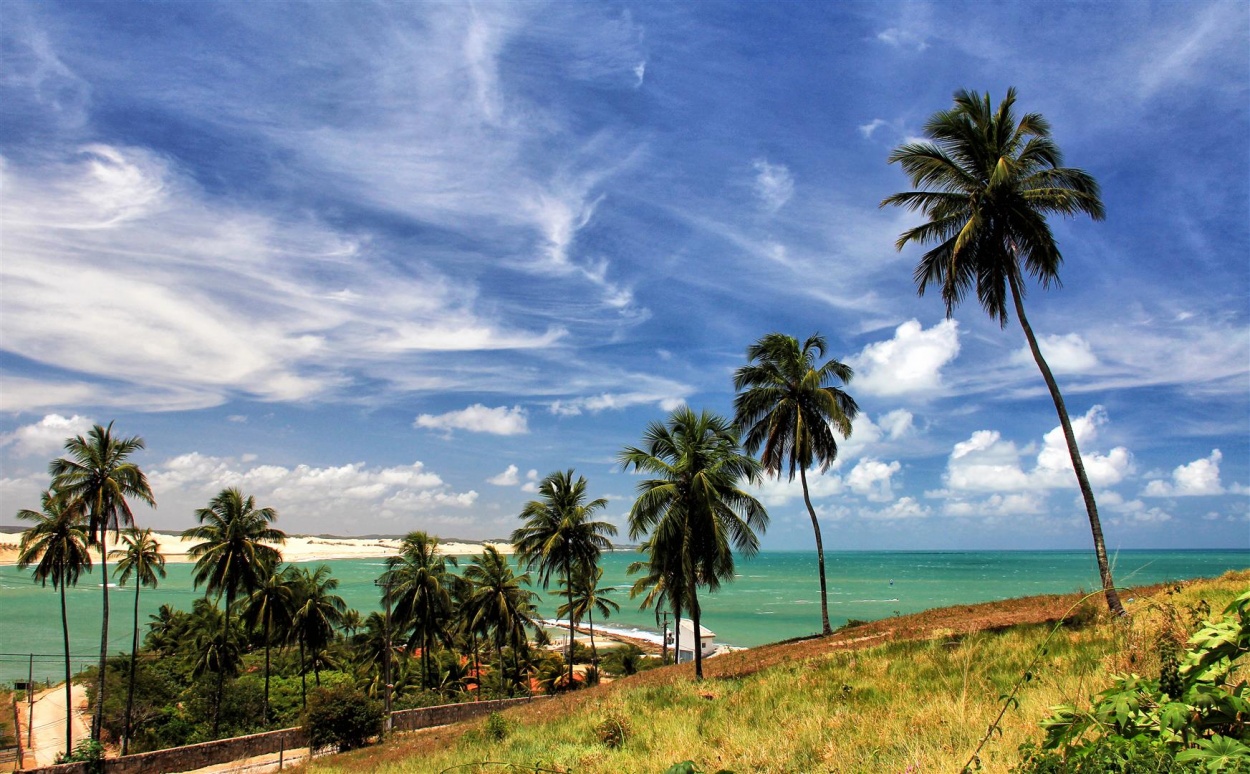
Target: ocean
(775, 596)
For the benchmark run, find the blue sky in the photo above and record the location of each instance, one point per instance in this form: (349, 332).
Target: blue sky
(382, 266)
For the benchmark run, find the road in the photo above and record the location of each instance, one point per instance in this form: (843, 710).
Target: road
(50, 723)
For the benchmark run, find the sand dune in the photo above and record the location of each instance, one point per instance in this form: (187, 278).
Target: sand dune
(297, 548)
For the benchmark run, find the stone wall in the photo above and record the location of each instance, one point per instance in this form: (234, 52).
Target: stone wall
(198, 756)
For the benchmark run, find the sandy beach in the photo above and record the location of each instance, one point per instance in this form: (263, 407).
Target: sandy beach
(298, 548)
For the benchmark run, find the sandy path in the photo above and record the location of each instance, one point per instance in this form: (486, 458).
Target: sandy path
(50, 722)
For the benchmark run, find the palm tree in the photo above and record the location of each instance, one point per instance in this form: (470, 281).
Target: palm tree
(694, 509)
(585, 597)
(559, 535)
(419, 586)
(789, 405)
(233, 556)
(661, 584)
(271, 608)
(56, 543)
(499, 602)
(988, 182)
(212, 648)
(318, 613)
(97, 477)
(143, 559)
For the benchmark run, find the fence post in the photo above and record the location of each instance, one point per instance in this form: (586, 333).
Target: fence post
(30, 702)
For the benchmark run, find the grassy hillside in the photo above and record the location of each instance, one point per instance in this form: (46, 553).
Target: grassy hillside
(908, 694)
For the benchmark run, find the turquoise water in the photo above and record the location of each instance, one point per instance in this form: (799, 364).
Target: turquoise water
(776, 596)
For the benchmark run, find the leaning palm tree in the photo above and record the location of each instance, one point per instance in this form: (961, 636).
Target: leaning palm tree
(695, 509)
(56, 543)
(586, 597)
(789, 405)
(271, 608)
(419, 586)
(499, 602)
(987, 183)
(141, 558)
(97, 476)
(234, 556)
(560, 537)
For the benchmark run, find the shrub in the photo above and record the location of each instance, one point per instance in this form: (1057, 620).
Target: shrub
(343, 717)
(614, 729)
(497, 727)
(86, 751)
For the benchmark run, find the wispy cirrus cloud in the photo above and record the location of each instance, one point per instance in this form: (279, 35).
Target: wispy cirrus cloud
(477, 418)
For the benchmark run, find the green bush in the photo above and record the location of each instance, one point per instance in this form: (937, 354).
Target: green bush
(497, 727)
(614, 730)
(343, 717)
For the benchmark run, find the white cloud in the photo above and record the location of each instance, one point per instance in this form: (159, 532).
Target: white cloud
(329, 497)
(774, 185)
(995, 506)
(910, 362)
(896, 423)
(1068, 354)
(987, 463)
(1200, 477)
(902, 508)
(531, 481)
(870, 127)
(779, 491)
(871, 479)
(506, 478)
(477, 418)
(45, 437)
(901, 38)
(615, 402)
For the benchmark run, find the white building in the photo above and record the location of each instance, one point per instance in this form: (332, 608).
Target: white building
(706, 641)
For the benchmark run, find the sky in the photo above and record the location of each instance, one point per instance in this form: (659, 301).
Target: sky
(385, 266)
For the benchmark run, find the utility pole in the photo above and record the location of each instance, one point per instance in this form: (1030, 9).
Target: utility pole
(30, 704)
(385, 583)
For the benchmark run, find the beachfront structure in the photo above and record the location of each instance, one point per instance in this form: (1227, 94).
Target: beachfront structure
(707, 642)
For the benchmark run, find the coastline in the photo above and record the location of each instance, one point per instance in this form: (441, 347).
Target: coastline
(298, 548)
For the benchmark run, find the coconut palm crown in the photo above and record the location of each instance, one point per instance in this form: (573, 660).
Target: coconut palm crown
(986, 181)
(790, 406)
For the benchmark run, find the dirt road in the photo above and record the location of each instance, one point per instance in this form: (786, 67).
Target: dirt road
(50, 723)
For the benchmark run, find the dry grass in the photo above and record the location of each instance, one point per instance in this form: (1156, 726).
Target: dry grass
(911, 694)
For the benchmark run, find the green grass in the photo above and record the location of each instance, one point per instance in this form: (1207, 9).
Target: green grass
(918, 706)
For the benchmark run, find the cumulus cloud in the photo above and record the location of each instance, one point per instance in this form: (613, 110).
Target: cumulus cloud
(779, 491)
(902, 508)
(1068, 354)
(328, 496)
(988, 463)
(871, 479)
(531, 481)
(1200, 477)
(45, 437)
(506, 478)
(910, 362)
(774, 185)
(477, 418)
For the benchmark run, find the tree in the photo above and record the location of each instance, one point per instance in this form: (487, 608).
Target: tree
(419, 586)
(271, 608)
(212, 649)
(97, 477)
(559, 536)
(586, 596)
(56, 543)
(499, 602)
(661, 584)
(789, 405)
(318, 613)
(234, 556)
(987, 184)
(694, 508)
(141, 558)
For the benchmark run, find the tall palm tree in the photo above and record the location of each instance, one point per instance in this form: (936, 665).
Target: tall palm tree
(586, 596)
(271, 608)
(987, 183)
(56, 543)
(319, 612)
(234, 555)
(559, 535)
(694, 507)
(141, 558)
(499, 602)
(97, 476)
(419, 586)
(790, 405)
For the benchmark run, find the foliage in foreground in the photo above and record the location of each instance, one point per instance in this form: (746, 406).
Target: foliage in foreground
(342, 717)
(1192, 718)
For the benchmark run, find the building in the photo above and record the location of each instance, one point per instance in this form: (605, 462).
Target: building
(707, 642)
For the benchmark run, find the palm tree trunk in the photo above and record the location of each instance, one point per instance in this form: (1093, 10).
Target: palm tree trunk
(303, 677)
(69, 702)
(267, 636)
(477, 667)
(677, 634)
(1087, 492)
(221, 671)
(820, 557)
(568, 584)
(130, 691)
(97, 717)
(594, 652)
(698, 639)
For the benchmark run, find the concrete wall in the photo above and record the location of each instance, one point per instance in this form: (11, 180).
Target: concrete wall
(226, 750)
